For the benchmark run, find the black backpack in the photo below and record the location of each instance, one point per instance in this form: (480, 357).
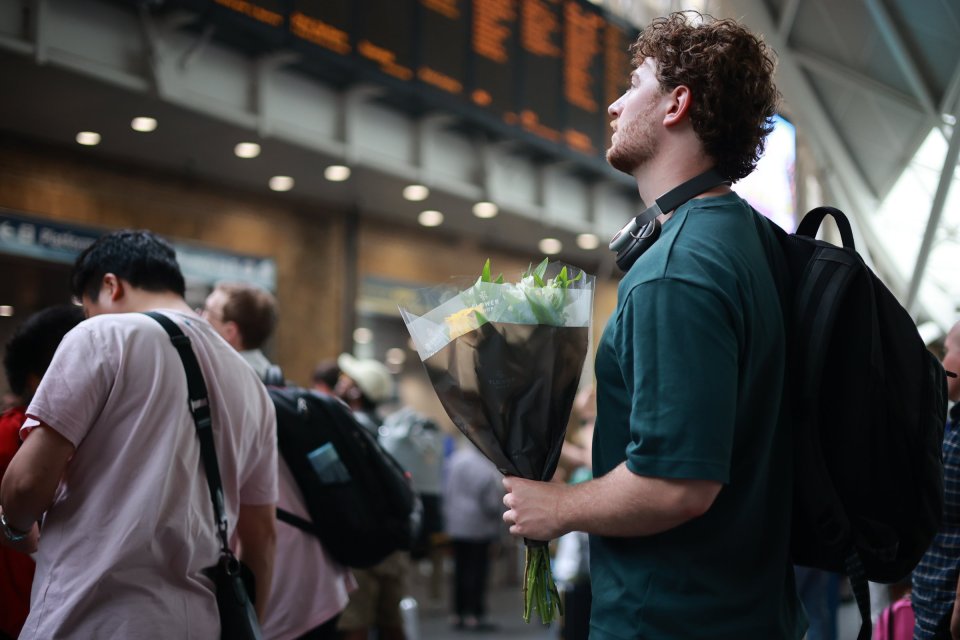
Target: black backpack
(868, 403)
(360, 501)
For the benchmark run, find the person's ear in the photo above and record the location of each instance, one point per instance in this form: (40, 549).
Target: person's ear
(678, 106)
(113, 287)
(231, 333)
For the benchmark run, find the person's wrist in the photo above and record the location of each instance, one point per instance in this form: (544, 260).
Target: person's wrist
(11, 533)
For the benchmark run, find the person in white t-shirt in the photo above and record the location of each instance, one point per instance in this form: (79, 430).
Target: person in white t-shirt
(311, 589)
(111, 462)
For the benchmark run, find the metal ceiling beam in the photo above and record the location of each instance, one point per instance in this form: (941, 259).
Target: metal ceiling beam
(891, 34)
(787, 17)
(936, 212)
(845, 175)
(38, 18)
(821, 65)
(951, 97)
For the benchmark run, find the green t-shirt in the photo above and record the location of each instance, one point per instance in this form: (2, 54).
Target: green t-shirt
(689, 376)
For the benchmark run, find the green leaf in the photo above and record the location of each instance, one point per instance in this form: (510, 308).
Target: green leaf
(538, 279)
(499, 279)
(541, 270)
(485, 275)
(481, 319)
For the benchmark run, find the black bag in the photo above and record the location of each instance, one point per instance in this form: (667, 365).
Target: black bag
(233, 580)
(236, 591)
(359, 498)
(868, 403)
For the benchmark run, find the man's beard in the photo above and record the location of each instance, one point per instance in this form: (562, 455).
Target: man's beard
(635, 145)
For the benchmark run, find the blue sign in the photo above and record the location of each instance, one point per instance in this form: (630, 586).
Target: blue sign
(62, 243)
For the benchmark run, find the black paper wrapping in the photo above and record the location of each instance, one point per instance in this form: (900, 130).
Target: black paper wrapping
(510, 388)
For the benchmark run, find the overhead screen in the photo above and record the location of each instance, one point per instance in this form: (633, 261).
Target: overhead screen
(771, 188)
(541, 68)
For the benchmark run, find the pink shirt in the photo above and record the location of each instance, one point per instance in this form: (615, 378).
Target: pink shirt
(132, 527)
(309, 587)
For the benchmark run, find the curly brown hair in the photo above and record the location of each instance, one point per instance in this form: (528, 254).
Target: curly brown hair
(729, 70)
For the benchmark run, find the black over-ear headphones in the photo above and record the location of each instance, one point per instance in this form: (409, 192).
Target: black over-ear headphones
(639, 234)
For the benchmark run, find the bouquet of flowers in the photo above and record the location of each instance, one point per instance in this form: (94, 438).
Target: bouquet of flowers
(505, 360)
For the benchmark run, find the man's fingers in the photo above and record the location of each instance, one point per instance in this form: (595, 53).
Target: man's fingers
(508, 483)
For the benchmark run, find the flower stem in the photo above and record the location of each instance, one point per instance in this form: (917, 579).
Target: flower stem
(539, 589)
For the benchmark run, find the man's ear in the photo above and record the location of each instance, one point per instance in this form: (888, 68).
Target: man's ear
(231, 333)
(680, 99)
(113, 287)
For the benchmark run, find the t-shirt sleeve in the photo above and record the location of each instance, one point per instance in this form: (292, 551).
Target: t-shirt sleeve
(679, 357)
(76, 385)
(260, 486)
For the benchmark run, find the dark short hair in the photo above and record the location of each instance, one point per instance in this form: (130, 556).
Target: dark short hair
(327, 372)
(31, 347)
(730, 72)
(252, 308)
(140, 257)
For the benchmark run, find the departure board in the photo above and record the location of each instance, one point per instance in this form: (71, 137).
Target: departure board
(443, 41)
(544, 69)
(325, 23)
(493, 40)
(541, 44)
(583, 77)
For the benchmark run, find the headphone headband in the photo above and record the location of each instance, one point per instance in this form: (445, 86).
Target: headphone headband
(633, 239)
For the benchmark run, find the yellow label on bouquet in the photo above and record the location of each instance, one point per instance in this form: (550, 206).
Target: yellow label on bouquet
(463, 321)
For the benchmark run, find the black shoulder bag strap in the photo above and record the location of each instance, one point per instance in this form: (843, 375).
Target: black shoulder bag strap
(199, 405)
(200, 410)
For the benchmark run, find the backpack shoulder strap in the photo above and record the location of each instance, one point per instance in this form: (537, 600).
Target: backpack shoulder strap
(273, 376)
(296, 521)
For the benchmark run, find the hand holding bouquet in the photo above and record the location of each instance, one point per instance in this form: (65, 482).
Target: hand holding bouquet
(505, 360)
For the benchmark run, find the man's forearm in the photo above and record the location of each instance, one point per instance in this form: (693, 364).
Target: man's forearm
(258, 542)
(622, 503)
(30, 482)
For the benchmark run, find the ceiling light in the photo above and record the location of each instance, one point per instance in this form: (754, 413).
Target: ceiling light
(485, 210)
(336, 173)
(143, 124)
(6, 311)
(88, 138)
(588, 241)
(247, 150)
(550, 246)
(416, 192)
(362, 335)
(396, 355)
(430, 218)
(281, 183)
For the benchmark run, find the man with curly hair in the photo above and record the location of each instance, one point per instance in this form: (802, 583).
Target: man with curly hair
(689, 514)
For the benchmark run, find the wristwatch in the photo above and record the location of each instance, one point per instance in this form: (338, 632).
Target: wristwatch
(11, 534)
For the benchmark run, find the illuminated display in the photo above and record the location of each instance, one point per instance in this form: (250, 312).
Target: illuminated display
(385, 36)
(545, 67)
(582, 76)
(443, 54)
(616, 71)
(541, 42)
(493, 36)
(324, 23)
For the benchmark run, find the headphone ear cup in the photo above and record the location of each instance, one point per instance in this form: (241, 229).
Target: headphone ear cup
(641, 241)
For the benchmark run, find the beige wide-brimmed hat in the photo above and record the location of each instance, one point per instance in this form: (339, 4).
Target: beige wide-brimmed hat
(371, 376)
